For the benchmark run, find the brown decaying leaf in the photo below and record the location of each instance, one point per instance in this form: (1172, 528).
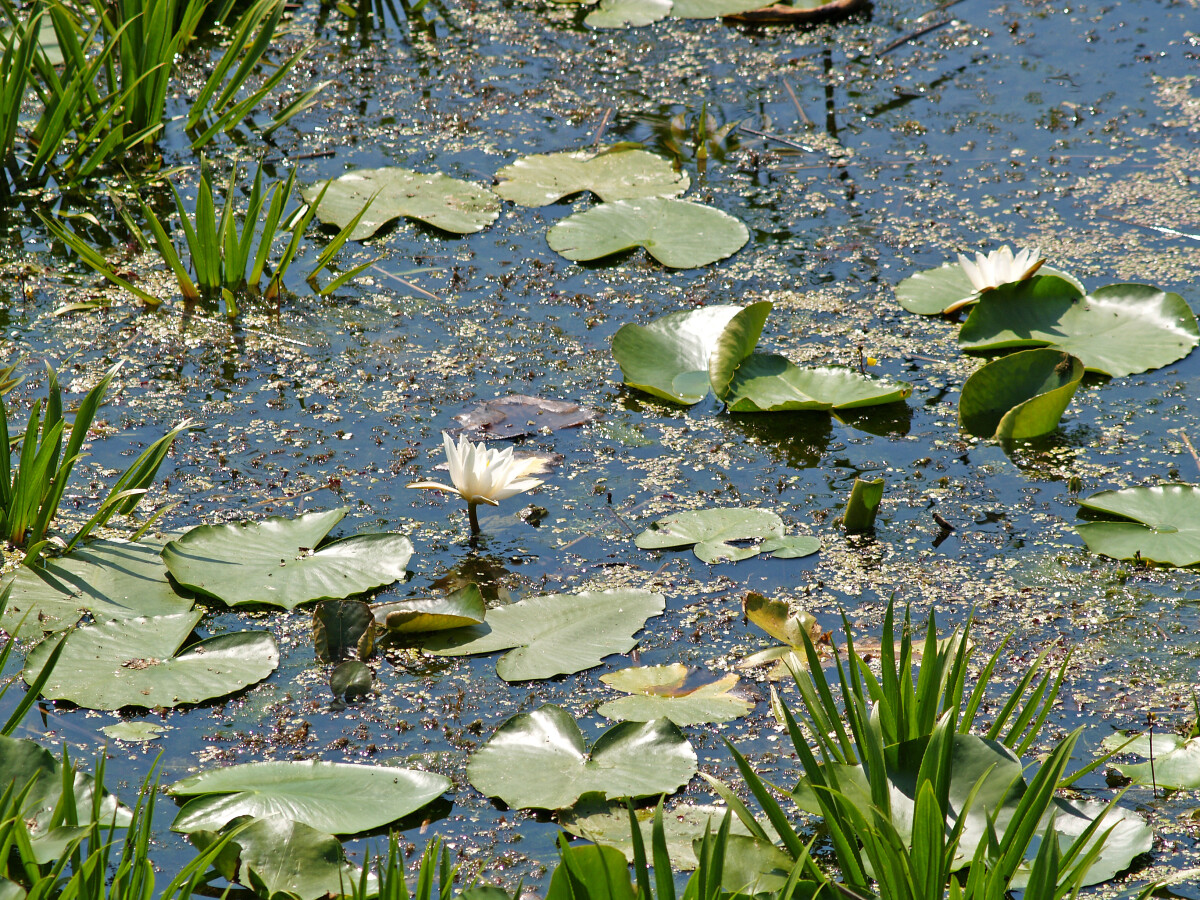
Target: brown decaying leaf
(782, 14)
(519, 414)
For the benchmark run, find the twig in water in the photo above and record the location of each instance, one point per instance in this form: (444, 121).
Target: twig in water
(1162, 229)
(1187, 442)
(408, 284)
(777, 139)
(603, 125)
(920, 32)
(799, 109)
(620, 519)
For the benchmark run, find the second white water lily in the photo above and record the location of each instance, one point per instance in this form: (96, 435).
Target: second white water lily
(482, 475)
(1001, 267)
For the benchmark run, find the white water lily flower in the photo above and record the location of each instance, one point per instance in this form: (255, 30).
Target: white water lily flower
(482, 475)
(1001, 267)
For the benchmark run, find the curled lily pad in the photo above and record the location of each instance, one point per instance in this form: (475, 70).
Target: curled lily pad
(539, 760)
(678, 233)
(279, 562)
(621, 174)
(766, 382)
(1158, 524)
(556, 634)
(672, 692)
(1120, 329)
(711, 532)
(456, 610)
(351, 679)
(438, 200)
(139, 662)
(1021, 395)
(1176, 759)
(780, 621)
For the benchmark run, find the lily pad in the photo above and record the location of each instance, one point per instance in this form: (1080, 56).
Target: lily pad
(780, 621)
(456, 206)
(714, 9)
(1158, 524)
(670, 692)
(456, 610)
(766, 382)
(517, 415)
(736, 341)
(109, 579)
(538, 760)
(627, 13)
(135, 732)
(339, 798)
(669, 357)
(23, 761)
(712, 532)
(612, 175)
(351, 680)
(138, 662)
(1119, 330)
(678, 233)
(276, 561)
(556, 634)
(276, 857)
(792, 546)
(1176, 759)
(1021, 395)
(947, 289)
(342, 627)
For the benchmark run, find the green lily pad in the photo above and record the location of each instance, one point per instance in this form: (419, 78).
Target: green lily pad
(736, 341)
(459, 609)
(1176, 759)
(109, 579)
(351, 679)
(276, 561)
(138, 662)
(664, 692)
(339, 798)
(341, 627)
(1124, 833)
(678, 233)
(712, 532)
(625, 174)
(23, 761)
(556, 634)
(627, 13)
(1021, 395)
(276, 857)
(538, 760)
(947, 289)
(438, 200)
(669, 357)
(135, 732)
(766, 382)
(1119, 330)
(1158, 524)
(792, 546)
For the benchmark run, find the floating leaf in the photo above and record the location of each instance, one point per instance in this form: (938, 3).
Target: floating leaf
(947, 289)
(1158, 524)
(338, 628)
(556, 634)
(135, 732)
(23, 761)
(792, 546)
(538, 760)
(712, 531)
(714, 9)
(1176, 759)
(785, 624)
(457, 610)
(1121, 329)
(351, 680)
(766, 382)
(275, 561)
(339, 798)
(138, 662)
(110, 579)
(518, 414)
(669, 357)
(1021, 395)
(277, 857)
(438, 200)
(664, 692)
(626, 13)
(612, 175)
(799, 12)
(678, 233)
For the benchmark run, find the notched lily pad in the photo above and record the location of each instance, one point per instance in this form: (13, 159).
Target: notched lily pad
(1176, 759)
(712, 532)
(1022, 395)
(1157, 524)
(456, 206)
(281, 562)
(518, 414)
(673, 692)
(678, 233)
(459, 609)
(623, 174)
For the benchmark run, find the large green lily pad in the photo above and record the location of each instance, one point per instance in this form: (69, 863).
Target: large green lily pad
(947, 289)
(438, 200)
(538, 760)
(623, 174)
(1176, 759)
(678, 233)
(766, 382)
(276, 561)
(669, 356)
(23, 761)
(339, 798)
(556, 634)
(138, 662)
(672, 692)
(1120, 329)
(1021, 395)
(1158, 524)
(421, 614)
(711, 532)
(109, 579)
(276, 857)
(736, 341)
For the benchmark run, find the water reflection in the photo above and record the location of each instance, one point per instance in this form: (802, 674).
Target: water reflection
(797, 439)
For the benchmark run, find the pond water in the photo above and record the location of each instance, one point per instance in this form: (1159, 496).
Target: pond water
(855, 161)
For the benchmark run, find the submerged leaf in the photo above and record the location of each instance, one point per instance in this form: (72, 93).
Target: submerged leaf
(517, 415)
(612, 175)
(1157, 524)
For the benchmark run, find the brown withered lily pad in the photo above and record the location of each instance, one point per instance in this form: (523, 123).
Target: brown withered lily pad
(519, 414)
(800, 12)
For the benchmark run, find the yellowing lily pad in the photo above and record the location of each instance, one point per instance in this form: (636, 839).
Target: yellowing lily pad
(668, 692)
(1157, 524)
(678, 233)
(438, 200)
(780, 621)
(612, 175)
